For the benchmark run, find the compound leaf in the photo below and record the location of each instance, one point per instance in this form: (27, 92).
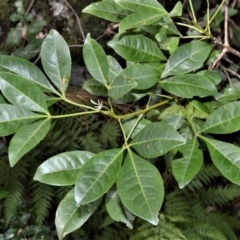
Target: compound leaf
(62, 169)
(184, 169)
(223, 120)
(156, 139)
(137, 48)
(142, 5)
(14, 117)
(108, 10)
(69, 217)
(26, 138)
(189, 85)
(140, 187)
(56, 60)
(140, 19)
(120, 86)
(226, 157)
(145, 75)
(26, 70)
(23, 93)
(116, 209)
(96, 60)
(187, 58)
(97, 175)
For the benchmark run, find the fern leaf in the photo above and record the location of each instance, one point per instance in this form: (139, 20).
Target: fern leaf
(15, 187)
(42, 197)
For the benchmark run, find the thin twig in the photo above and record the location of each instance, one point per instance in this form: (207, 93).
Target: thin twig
(227, 75)
(78, 20)
(233, 73)
(29, 7)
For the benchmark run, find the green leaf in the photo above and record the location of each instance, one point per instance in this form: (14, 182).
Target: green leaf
(140, 187)
(223, 120)
(140, 19)
(177, 10)
(26, 70)
(62, 169)
(26, 138)
(114, 68)
(133, 126)
(230, 94)
(108, 10)
(156, 139)
(97, 175)
(142, 5)
(69, 217)
(189, 85)
(214, 76)
(95, 87)
(137, 48)
(96, 60)
(120, 86)
(145, 75)
(56, 60)
(187, 58)
(116, 209)
(184, 169)
(21, 92)
(14, 117)
(226, 157)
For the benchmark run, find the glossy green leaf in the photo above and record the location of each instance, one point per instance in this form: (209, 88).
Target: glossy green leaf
(14, 117)
(145, 75)
(26, 70)
(132, 96)
(137, 48)
(168, 27)
(120, 86)
(230, 94)
(214, 76)
(187, 58)
(116, 209)
(226, 157)
(142, 5)
(133, 126)
(156, 139)
(136, 20)
(62, 169)
(223, 120)
(96, 60)
(95, 87)
(140, 187)
(18, 91)
(108, 10)
(97, 176)
(177, 10)
(26, 138)
(185, 168)
(114, 68)
(69, 217)
(189, 85)
(175, 121)
(56, 60)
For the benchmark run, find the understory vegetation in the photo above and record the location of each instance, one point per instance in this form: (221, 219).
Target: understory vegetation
(148, 149)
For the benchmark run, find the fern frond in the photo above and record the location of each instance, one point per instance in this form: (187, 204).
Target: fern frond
(110, 132)
(204, 177)
(89, 142)
(220, 196)
(15, 186)
(208, 231)
(178, 206)
(164, 230)
(41, 202)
